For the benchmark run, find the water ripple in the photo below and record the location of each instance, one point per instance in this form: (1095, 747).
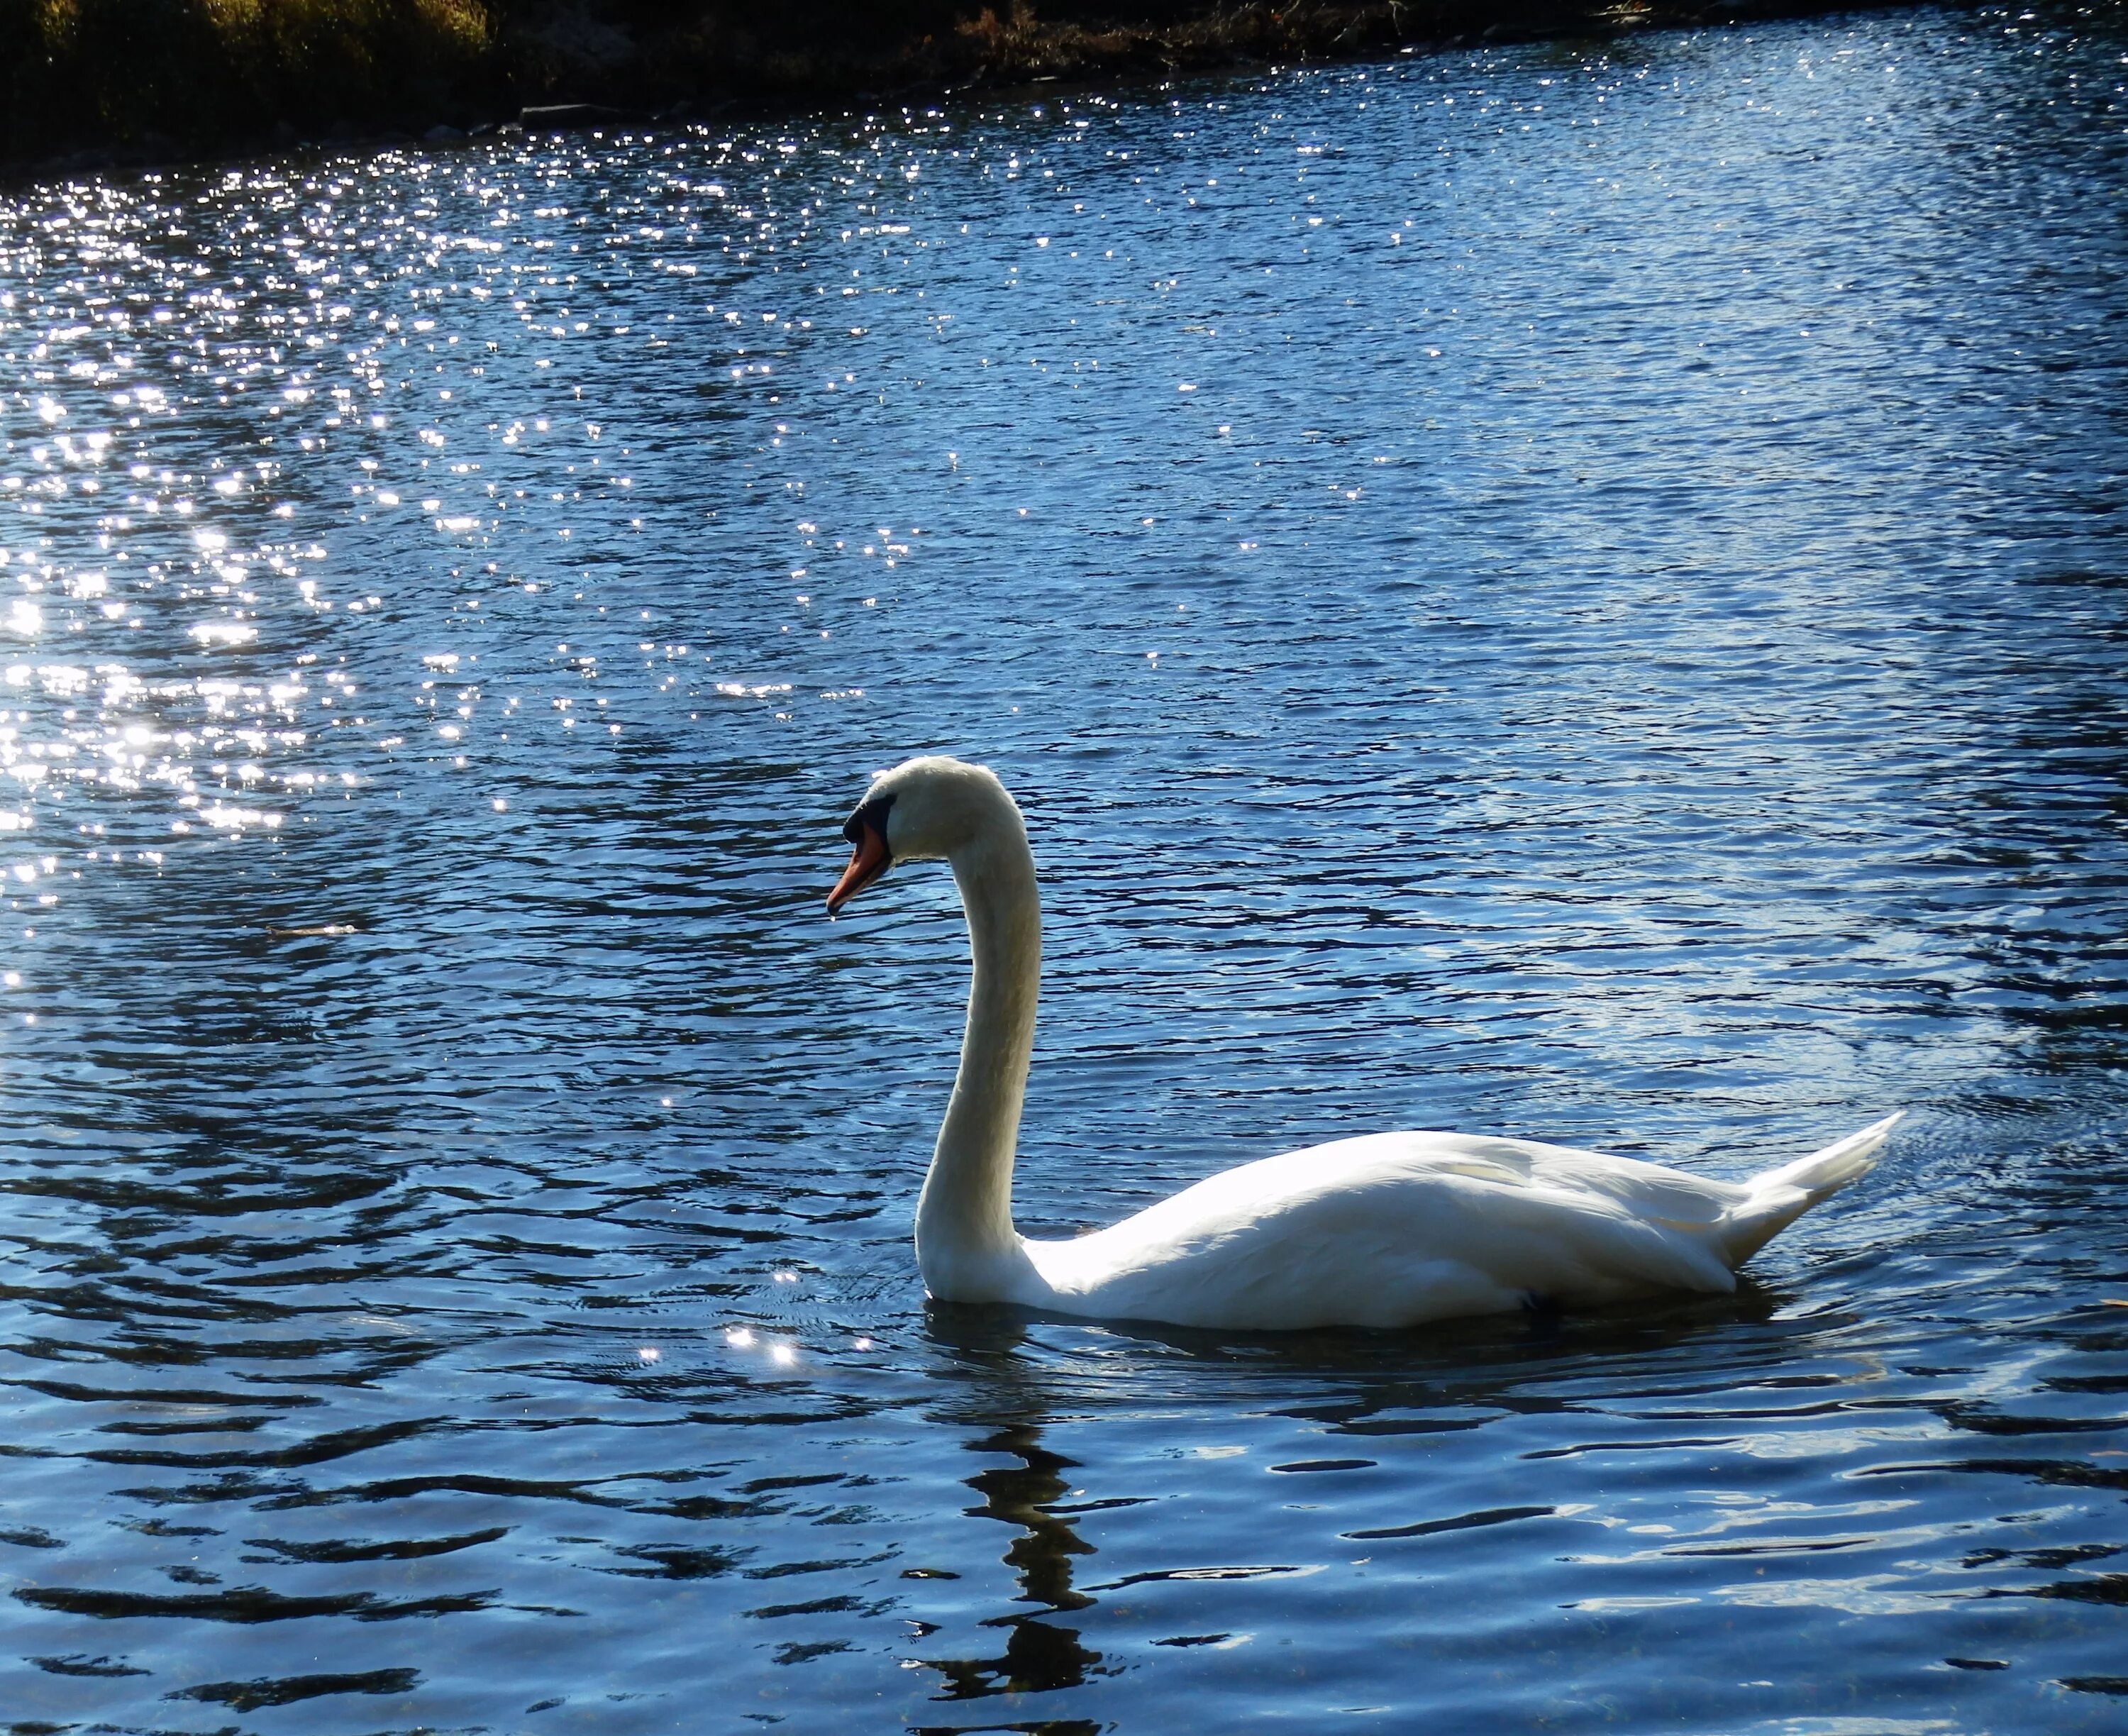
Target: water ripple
(1573, 591)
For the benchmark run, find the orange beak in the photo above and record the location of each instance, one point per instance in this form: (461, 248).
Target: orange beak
(868, 861)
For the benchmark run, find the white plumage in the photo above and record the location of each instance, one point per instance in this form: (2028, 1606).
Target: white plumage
(1388, 1230)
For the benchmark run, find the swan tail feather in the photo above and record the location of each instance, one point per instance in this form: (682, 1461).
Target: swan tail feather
(1779, 1197)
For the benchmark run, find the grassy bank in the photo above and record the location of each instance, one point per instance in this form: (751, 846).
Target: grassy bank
(139, 78)
(165, 74)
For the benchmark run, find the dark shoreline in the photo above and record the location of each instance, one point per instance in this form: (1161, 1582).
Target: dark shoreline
(110, 92)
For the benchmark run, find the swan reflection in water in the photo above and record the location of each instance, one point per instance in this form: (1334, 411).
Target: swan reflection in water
(1040, 1655)
(1359, 1384)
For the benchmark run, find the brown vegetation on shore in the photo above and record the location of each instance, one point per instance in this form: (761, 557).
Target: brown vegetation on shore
(159, 78)
(200, 72)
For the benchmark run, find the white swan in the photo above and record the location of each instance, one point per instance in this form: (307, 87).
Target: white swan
(1385, 1230)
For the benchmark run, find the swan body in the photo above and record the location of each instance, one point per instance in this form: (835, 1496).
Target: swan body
(1388, 1230)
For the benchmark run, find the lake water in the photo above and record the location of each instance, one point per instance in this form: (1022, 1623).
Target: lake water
(1568, 590)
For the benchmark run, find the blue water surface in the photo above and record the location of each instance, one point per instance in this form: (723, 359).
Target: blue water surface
(1577, 589)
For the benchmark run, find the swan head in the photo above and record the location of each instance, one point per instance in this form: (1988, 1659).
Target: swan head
(926, 810)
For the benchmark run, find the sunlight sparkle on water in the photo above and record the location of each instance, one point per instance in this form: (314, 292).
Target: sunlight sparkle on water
(1699, 732)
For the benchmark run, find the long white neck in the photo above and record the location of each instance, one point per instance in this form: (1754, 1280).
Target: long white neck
(965, 1246)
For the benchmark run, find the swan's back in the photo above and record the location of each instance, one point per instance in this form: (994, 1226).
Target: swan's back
(1394, 1228)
